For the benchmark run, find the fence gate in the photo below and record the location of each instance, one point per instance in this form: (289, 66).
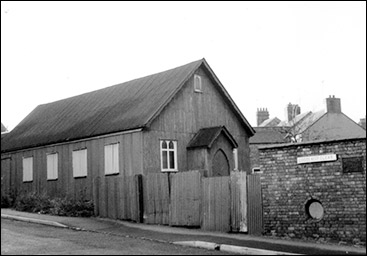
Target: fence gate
(185, 199)
(156, 209)
(255, 215)
(238, 202)
(216, 204)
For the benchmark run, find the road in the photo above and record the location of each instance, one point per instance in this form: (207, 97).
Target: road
(28, 238)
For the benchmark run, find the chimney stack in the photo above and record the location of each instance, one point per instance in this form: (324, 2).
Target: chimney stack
(333, 105)
(262, 115)
(291, 111)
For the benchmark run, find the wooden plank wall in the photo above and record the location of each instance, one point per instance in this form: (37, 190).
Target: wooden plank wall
(216, 204)
(157, 201)
(185, 199)
(238, 191)
(5, 176)
(130, 160)
(255, 215)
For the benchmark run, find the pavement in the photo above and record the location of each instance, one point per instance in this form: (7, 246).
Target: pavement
(233, 243)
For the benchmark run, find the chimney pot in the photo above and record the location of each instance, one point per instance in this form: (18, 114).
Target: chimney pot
(262, 115)
(333, 105)
(291, 111)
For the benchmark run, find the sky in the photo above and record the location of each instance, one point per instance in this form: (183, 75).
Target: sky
(266, 54)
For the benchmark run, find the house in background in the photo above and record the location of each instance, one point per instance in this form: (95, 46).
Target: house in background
(362, 122)
(327, 124)
(148, 125)
(3, 128)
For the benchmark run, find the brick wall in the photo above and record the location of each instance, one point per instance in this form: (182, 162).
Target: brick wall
(287, 187)
(254, 155)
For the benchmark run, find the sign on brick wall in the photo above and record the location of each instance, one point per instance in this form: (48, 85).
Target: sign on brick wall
(316, 158)
(352, 164)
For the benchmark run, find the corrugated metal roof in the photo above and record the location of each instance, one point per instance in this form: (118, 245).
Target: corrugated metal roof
(121, 107)
(116, 108)
(206, 136)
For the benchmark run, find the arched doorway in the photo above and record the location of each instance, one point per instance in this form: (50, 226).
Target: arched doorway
(220, 164)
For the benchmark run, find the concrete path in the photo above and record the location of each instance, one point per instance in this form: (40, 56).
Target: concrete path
(233, 243)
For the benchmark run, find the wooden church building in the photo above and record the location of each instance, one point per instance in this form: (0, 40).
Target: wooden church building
(178, 120)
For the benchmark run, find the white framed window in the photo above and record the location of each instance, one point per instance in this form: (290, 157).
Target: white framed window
(111, 159)
(169, 156)
(197, 83)
(80, 163)
(27, 169)
(52, 166)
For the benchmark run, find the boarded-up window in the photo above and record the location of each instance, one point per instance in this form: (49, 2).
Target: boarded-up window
(169, 156)
(352, 164)
(52, 166)
(80, 163)
(111, 158)
(27, 169)
(197, 83)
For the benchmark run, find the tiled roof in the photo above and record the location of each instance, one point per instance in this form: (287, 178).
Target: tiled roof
(206, 136)
(295, 120)
(121, 107)
(268, 135)
(307, 121)
(270, 122)
(3, 129)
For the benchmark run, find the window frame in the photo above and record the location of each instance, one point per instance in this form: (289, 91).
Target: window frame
(81, 173)
(27, 173)
(168, 150)
(114, 162)
(54, 173)
(198, 77)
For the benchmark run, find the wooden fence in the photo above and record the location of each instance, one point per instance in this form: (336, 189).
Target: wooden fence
(157, 199)
(231, 203)
(185, 200)
(255, 216)
(118, 197)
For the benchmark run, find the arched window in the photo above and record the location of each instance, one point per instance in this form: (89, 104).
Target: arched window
(169, 156)
(197, 83)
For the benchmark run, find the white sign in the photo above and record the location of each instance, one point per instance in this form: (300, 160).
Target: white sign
(317, 158)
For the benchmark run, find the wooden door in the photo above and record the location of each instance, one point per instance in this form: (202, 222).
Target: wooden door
(220, 164)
